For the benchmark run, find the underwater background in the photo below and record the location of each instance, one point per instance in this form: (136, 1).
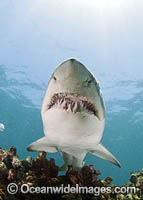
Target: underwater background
(37, 35)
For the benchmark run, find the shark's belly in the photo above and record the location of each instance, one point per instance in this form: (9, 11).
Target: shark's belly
(65, 127)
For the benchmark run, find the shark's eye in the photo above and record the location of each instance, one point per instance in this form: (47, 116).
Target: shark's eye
(54, 78)
(89, 81)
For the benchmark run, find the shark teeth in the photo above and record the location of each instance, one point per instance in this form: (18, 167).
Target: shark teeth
(72, 102)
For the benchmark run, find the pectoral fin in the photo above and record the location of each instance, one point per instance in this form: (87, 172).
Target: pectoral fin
(43, 144)
(103, 153)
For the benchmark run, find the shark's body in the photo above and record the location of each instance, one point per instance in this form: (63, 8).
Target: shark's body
(73, 116)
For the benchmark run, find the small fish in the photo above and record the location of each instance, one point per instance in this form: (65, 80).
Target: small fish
(2, 127)
(73, 115)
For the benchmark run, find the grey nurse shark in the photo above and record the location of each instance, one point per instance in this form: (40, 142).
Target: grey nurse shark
(73, 115)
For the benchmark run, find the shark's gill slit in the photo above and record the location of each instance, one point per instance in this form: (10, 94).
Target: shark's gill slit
(74, 102)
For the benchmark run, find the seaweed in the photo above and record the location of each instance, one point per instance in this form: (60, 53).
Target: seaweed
(42, 174)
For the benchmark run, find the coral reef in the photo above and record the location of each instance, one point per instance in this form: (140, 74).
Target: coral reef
(41, 174)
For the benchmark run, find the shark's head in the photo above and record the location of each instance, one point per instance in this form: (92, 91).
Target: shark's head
(72, 87)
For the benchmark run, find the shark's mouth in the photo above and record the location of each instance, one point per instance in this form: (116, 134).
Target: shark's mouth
(73, 102)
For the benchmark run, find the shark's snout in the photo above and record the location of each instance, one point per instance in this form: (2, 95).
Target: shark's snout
(72, 60)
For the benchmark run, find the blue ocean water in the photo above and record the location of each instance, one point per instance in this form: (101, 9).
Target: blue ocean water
(21, 92)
